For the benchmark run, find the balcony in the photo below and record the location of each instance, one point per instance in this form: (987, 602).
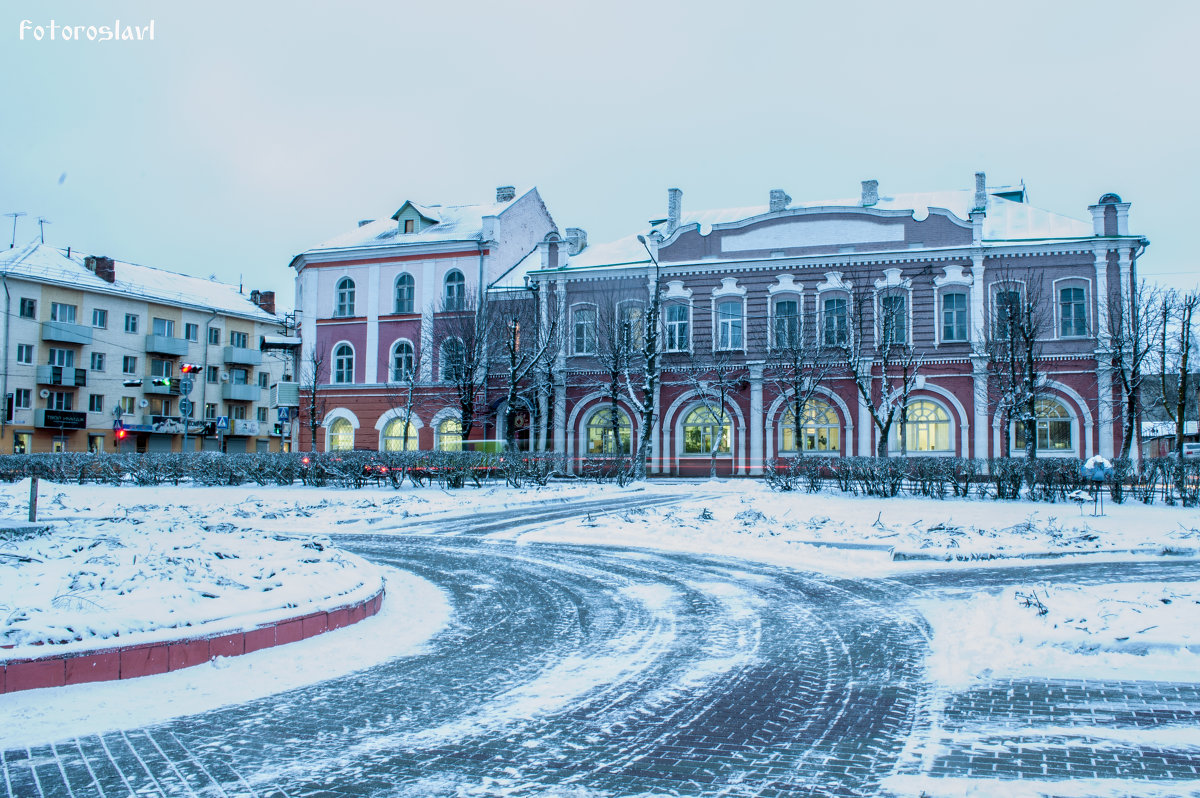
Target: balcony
(166, 345)
(65, 332)
(59, 419)
(243, 426)
(242, 356)
(237, 392)
(148, 386)
(285, 394)
(61, 375)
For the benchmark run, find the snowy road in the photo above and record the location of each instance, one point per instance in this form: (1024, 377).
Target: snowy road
(589, 671)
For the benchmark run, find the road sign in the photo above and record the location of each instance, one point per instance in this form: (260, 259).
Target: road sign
(222, 422)
(185, 385)
(285, 414)
(185, 406)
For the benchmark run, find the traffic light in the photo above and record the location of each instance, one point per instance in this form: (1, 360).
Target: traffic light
(121, 433)
(165, 381)
(131, 383)
(190, 368)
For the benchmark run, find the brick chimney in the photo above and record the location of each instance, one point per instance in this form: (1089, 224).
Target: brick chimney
(870, 193)
(779, 199)
(103, 267)
(265, 300)
(506, 193)
(980, 191)
(674, 209)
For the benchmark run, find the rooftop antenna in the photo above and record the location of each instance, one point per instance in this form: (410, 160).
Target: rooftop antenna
(42, 222)
(14, 216)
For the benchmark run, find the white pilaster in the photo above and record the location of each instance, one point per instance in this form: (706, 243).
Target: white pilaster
(1101, 295)
(978, 319)
(756, 419)
(427, 291)
(1105, 407)
(979, 407)
(865, 427)
(371, 373)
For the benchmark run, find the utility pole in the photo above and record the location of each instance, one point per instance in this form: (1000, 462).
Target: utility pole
(14, 216)
(42, 222)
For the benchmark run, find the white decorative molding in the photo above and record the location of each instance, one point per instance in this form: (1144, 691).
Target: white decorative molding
(953, 275)
(834, 282)
(340, 412)
(397, 413)
(729, 287)
(786, 284)
(892, 279)
(677, 290)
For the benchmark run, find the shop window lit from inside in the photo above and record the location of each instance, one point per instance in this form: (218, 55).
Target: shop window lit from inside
(820, 429)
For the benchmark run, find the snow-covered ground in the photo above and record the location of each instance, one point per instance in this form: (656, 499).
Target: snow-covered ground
(162, 557)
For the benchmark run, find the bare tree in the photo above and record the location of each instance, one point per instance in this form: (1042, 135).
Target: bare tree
(404, 391)
(882, 361)
(1012, 344)
(796, 364)
(462, 331)
(715, 376)
(620, 346)
(314, 372)
(1133, 324)
(1176, 348)
(651, 355)
(524, 345)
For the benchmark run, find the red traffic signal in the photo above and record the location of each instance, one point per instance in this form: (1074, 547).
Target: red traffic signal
(190, 368)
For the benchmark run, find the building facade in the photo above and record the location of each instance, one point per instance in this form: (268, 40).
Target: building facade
(936, 276)
(94, 353)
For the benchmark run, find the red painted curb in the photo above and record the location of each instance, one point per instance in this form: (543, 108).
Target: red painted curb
(145, 659)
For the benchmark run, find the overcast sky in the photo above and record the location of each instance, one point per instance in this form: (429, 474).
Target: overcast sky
(247, 132)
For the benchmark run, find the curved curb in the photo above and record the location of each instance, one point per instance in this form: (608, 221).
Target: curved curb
(147, 659)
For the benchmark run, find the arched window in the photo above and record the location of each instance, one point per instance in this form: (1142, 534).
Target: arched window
(926, 429)
(1053, 427)
(405, 292)
(343, 364)
(402, 362)
(341, 435)
(600, 433)
(456, 290)
(449, 435)
(820, 429)
(454, 361)
(702, 429)
(393, 436)
(345, 298)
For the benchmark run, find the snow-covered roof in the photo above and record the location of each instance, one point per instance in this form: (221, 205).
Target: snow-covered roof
(1006, 220)
(451, 223)
(49, 264)
(627, 250)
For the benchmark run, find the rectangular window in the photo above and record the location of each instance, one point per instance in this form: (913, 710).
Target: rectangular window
(677, 328)
(263, 378)
(787, 324)
(163, 406)
(96, 403)
(632, 326)
(836, 327)
(163, 327)
(238, 340)
(62, 312)
(22, 398)
(100, 318)
(129, 364)
(585, 331)
(62, 357)
(893, 323)
(25, 354)
(127, 405)
(131, 323)
(1073, 313)
(60, 400)
(729, 325)
(238, 376)
(213, 375)
(408, 225)
(160, 368)
(97, 361)
(261, 414)
(22, 442)
(238, 412)
(954, 317)
(191, 332)
(210, 410)
(95, 443)
(1008, 313)
(214, 336)
(28, 308)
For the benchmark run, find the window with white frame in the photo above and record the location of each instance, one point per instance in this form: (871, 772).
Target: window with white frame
(455, 290)
(631, 319)
(406, 289)
(820, 429)
(927, 429)
(163, 327)
(240, 376)
(395, 439)
(583, 323)
(25, 354)
(235, 411)
(61, 357)
(677, 334)
(893, 319)
(835, 321)
(60, 311)
(60, 400)
(129, 364)
(954, 317)
(22, 398)
(730, 326)
(28, 308)
(403, 360)
(606, 438)
(239, 340)
(98, 361)
(453, 367)
(191, 332)
(1052, 428)
(260, 415)
(264, 379)
(131, 323)
(1007, 312)
(212, 375)
(214, 336)
(99, 318)
(1072, 312)
(703, 430)
(96, 403)
(785, 328)
(341, 435)
(343, 364)
(344, 298)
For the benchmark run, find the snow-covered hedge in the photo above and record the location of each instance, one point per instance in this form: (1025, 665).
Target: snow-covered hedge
(1044, 479)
